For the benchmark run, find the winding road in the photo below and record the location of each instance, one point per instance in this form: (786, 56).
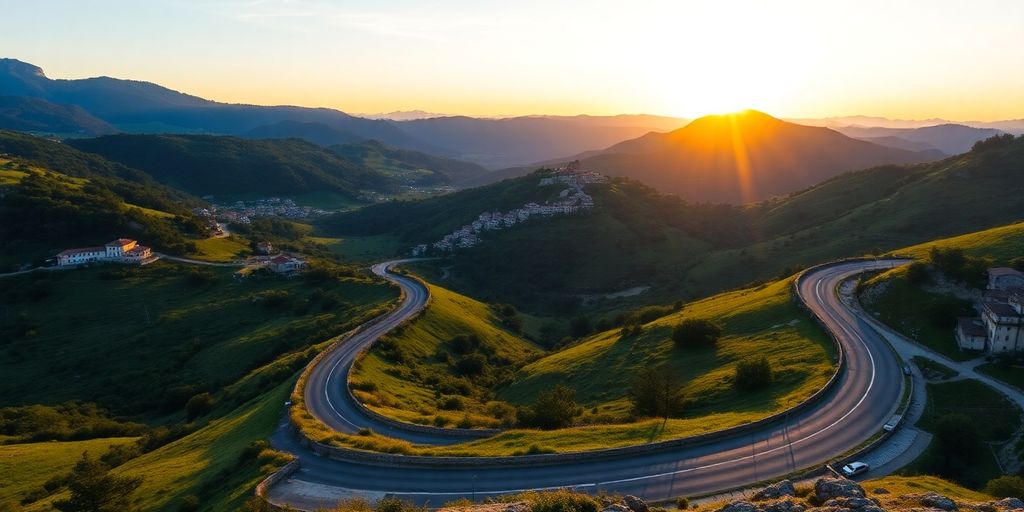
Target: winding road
(868, 393)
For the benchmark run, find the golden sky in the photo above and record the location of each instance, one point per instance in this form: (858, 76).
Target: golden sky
(899, 59)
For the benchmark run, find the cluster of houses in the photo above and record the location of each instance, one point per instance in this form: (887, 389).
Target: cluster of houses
(242, 212)
(1000, 328)
(570, 200)
(122, 250)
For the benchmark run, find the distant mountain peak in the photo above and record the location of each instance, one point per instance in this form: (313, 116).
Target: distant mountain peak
(17, 67)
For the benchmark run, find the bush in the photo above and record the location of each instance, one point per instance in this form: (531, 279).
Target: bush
(918, 274)
(472, 364)
(682, 503)
(1006, 486)
(695, 332)
(465, 343)
(198, 406)
(753, 374)
(1018, 263)
(453, 403)
(396, 505)
(189, 503)
(562, 501)
(555, 408)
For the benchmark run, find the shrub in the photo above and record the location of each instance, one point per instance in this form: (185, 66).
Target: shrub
(682, 503)
(453, 403)
(1018, 263)
(753, 374)
(465, 343)
(198, 406)
(562, 501)
(694, 332)
(1006, 486)
(472, 364)
(918, 274)
(555, 408)
(189, 503)
(396, 505)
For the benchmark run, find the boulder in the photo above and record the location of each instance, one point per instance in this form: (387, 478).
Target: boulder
(740, 506)
(850, 503)
(1009, 504)
(776, 491)
(615, 507)
(933, 500)
(786, 505)
(635, 504)
(828, 488)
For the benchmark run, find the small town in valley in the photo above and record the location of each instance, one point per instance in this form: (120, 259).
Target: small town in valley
(122, 250)
(570, 200)
(243, 212)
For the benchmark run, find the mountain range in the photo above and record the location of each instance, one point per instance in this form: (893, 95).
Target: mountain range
(103, 105)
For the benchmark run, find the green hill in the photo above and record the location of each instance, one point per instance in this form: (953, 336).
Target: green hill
(203, 164)
(53, 197)
(638, 238)
(424, 373)
(407, 166)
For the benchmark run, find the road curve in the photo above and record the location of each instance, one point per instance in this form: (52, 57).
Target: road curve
(867, 394)
(326, 394)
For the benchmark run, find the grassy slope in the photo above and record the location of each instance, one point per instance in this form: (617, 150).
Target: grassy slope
(904, 308)
(900, 304)
(755, 320)
(175, 333)
(401, 392)
(228, 248)
(204, 463)
(975, 400)
(26, 466)
(899, 485)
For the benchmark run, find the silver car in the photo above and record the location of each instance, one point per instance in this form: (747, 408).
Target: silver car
(855, 468)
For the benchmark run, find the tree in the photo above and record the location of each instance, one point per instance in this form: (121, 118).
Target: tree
(694, 332)
(94, 489)
(918, 274)
(555, 408)
(657, 392)
(1018, 263)
(198, 405)
(1006, 486)
(472, 364)
(753, 374)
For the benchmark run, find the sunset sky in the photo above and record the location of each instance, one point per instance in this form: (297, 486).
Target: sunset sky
(900, 59)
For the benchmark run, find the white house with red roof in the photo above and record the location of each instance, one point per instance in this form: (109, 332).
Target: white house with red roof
(122, 250)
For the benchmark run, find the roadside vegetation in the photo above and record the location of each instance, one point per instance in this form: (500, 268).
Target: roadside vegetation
(713, 384)
(965, 417)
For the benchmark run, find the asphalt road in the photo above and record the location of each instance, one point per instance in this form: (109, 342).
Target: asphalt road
(867, 395)
(325, 393)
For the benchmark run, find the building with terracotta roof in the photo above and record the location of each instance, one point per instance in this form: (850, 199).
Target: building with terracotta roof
(122, 250)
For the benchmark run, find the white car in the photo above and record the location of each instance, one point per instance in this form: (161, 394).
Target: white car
(855, 468)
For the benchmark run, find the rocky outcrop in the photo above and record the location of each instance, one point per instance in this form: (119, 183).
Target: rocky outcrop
(740, 506)
(776, 491)
(1009, 504)
(635, 504)
(828, 488)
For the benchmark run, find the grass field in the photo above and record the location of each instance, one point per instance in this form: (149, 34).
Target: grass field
(898, 485)
(362, 248)
(995, 420)
(406, 389)
(145, 341)
(1004, 371)
(25, 467)
(756, 321)
(229, 248)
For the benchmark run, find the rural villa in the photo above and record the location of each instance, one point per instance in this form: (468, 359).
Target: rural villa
(1000, 329)
(122, 250)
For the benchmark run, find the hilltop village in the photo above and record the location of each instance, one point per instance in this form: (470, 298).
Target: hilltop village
(572, 199)
(242, 212)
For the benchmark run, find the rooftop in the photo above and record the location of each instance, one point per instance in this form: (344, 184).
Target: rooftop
(971, 326)
(120, 242)
(1000, 309)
